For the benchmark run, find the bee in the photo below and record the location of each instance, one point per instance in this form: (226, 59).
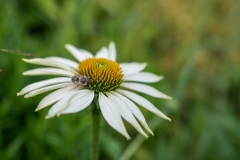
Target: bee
(81, 80)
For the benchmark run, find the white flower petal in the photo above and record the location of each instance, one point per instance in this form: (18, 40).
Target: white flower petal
(54, 97)
(47, 62)
(64, 61)
(126, 113)
(102, 53)
(135, 110)
(70, 101)
(143, 102)
(87, 53)
(59, 106)
(132, 68)
(143, 77)
(48, 71)
(45, 89)
(79, 54)
(112, 115)
(44, 83)
(112, 51)
(145, 89)
(84, 99)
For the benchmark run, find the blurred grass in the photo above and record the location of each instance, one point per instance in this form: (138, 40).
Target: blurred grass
(194, 44)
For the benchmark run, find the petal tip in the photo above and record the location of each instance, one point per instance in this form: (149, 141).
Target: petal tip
(166, 97)
(67, 45)
(165, 117)
(150, 131)
(170, 98)
(160, 77)
(128, 138)
(112, 43)
(37, 109)
(49, 116)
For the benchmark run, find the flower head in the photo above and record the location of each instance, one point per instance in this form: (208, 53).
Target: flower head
(99, 77)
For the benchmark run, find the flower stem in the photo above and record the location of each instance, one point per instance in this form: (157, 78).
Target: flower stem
(96, 120)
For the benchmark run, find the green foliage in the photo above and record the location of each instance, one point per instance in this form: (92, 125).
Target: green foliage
(194, 44)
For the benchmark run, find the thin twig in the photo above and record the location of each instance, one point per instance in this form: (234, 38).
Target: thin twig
(19, 52)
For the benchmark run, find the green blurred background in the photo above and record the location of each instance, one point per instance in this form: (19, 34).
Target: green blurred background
(194, 44)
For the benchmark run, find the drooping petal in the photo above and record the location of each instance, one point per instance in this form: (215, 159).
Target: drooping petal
(64, 103)
(47, 62)
(79, 54)
(112, 53)
(59, 106)
(54, 97)
(132, 68)
(126, 113)
(48, 71)
(135, 110)
(112, 115)
(143, 77)
(102, 53)
(45, 89)
(145, 89)
(143, 102)
(64, 61)
(84, 99)
(44, 83)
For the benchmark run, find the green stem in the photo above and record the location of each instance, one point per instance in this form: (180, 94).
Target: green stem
(96, 120)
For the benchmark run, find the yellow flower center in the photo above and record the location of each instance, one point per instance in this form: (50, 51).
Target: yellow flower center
(106, 74)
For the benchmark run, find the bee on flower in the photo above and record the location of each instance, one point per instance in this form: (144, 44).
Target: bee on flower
(101, 78)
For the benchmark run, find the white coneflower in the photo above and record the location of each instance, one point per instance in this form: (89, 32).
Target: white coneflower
(100, 78)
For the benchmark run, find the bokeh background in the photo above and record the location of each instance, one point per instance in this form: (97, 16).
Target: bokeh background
(194, 44)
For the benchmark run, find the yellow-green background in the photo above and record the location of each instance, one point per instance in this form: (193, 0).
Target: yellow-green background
(194, 44)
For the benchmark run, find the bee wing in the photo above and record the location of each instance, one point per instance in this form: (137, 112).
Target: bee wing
(72, 87)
